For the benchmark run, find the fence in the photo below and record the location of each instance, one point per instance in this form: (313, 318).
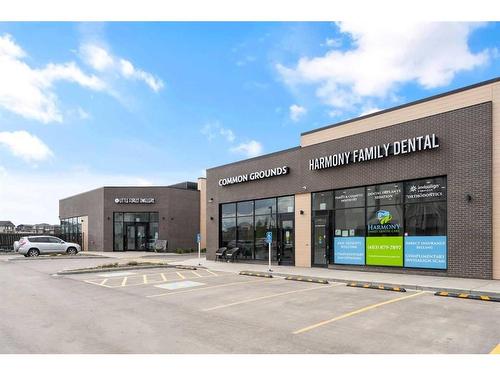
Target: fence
(7, 239)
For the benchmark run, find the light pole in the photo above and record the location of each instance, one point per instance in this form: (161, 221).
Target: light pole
(270, 242)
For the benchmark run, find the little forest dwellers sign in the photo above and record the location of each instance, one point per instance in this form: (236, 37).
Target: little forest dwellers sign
(404, 146)
(134, 200)
(278, 171)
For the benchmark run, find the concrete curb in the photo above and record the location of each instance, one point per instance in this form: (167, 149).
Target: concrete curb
(192, 268)
(256, 274)
(112, 269)
(307, 279)
(29, 259)
(377, 286)
(483, 297)
(405, 286)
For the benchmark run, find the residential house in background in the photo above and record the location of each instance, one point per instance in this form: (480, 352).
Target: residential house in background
(7, 227)
(24, 228)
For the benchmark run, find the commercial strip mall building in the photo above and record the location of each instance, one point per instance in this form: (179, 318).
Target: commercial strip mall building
(132, 218)
(410, 189)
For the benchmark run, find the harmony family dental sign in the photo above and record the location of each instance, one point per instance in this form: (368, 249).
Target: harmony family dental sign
(401, 147)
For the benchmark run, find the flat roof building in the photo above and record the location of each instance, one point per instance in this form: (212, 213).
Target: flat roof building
(132, 218)
(412, 189)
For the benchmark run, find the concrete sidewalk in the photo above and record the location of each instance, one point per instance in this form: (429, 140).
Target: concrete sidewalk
(137, 254)
(417, 282)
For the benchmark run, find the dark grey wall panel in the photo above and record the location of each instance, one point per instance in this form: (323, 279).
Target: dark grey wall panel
(87, 204)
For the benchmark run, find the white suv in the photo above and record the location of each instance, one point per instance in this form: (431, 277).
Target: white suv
(33, 246)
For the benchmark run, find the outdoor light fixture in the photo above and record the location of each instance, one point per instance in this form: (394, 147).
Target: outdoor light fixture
(468, 197)
(109, 218)
(301, 212)
(210, 200)
(304, 187)
(211, 217)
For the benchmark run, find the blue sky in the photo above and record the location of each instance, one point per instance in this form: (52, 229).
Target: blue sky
(87, 105)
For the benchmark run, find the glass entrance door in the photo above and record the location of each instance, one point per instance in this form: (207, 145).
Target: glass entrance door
(321, 236)
(130, 237)
(285, 240)
(136, 237)
(141, 237)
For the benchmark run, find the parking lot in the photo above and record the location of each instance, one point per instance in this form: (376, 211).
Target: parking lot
(168, 310)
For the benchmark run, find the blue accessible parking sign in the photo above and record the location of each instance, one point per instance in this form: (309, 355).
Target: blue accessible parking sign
(269, 237)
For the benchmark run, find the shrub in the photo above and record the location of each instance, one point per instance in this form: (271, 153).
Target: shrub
(109, 265)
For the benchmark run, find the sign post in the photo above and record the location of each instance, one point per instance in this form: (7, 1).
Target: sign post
(269, 240)
(198, 240)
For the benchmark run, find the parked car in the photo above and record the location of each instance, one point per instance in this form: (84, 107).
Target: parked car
(33, 246)
(16, 246)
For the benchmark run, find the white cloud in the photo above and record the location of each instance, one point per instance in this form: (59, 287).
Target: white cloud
(383, 56)
(246, 60)
(249, 149)
(98, 58)
(28, 91)
(25, 145)
(332, 42)
(296, 112)
(228, 134)
(82, 114)
(103, 61)
(212, 130)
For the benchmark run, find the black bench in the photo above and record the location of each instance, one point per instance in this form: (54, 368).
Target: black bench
(232, 254)
(221, 253)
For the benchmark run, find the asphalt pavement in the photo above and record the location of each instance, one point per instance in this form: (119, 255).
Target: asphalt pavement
(210, 310)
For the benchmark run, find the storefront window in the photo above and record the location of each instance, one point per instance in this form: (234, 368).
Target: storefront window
(252, 220)
(425, 190)
(384, 221)
(385, 194)
(118, 236)
(228, 230)
(349, 198)
(322, 201)
(263, 224)
(426, 219)
(135, 230)
(286, 204)
(228, 210)
(265, 206)
(246, 236)
(405, 224)
(245, 208)
(137, 217)
(350, 222)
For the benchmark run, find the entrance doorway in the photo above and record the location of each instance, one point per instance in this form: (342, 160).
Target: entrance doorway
(321, 240)
(136, 236)
(285, 239)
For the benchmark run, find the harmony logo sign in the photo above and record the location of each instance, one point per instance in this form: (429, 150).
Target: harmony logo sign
(384, 218)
